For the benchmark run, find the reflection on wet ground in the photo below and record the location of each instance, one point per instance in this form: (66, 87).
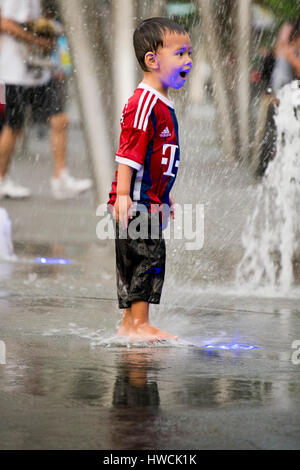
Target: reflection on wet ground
(70, 383)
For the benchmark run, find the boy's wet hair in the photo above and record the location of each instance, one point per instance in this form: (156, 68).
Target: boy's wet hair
(149, 36)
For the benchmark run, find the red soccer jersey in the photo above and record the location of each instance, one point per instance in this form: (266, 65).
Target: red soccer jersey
(149, 144)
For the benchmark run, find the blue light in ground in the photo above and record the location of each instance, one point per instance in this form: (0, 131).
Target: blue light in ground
(44, 260)
(231, 346)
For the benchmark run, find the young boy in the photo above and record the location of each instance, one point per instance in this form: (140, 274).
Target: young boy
(148, 160)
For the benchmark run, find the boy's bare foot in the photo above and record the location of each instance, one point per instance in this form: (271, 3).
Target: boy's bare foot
(149, 333)
(126, 323)
(135, 324)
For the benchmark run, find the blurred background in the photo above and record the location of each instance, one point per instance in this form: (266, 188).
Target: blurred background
(224, 113)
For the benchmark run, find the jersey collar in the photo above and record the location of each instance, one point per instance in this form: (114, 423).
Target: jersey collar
(165, 100)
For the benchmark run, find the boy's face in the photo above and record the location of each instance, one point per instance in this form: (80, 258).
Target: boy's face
(174, 60)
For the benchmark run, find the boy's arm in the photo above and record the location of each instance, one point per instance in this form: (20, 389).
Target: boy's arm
(12, 28)
(131, 153)
(123, 201)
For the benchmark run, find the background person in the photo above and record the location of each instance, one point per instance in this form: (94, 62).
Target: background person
(287, 56)
(31, 84)
(286, 69)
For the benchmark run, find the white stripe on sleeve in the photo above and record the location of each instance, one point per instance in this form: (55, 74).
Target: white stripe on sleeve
(128, 162)
(139, 108)
(150, 111)
(145, 107)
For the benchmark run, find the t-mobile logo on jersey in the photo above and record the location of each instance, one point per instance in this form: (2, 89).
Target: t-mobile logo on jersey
(164, 160)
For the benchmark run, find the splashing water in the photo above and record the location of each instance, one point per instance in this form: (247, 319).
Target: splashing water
(271, 236)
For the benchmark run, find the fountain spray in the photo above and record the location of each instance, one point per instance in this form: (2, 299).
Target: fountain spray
(271, 236)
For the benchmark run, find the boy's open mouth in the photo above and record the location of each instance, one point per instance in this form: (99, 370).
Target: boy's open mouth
(183, 74)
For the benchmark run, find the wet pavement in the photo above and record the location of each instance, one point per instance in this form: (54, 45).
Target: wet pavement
(231, 382)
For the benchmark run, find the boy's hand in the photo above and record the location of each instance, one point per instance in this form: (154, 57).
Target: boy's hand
(172, 207)
(123, 210)
(123, 202)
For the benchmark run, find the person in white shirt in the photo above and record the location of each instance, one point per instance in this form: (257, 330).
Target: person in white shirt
(28, 84)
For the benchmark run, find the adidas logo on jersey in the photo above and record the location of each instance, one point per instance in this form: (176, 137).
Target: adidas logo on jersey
(165, 133)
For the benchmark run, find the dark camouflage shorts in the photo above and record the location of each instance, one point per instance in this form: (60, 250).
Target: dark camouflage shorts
(140, 267)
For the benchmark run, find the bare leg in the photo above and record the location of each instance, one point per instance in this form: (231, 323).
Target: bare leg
(8, 140)
(126, 323)
(58, 138)
(141, 328)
